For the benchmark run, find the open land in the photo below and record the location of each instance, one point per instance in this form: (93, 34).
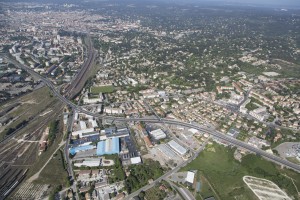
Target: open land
(225, 174)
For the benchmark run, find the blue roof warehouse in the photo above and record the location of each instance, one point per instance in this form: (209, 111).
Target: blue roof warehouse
(109, 146)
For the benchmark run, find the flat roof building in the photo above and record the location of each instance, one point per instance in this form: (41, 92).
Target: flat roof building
(158, 134)
(109, 146)
(84, 133)
(74, 150)
(89, 162)
(190, 176)
(167, 151)
(177, 148)
(136, 160)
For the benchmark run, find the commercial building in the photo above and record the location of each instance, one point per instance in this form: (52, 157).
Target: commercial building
(180, 150)
(233, 132)
(109, 146)
(260, 113)
(89, 162)
(109, 110)
(167, 151)
(77, 149)
(190, 176)
(158, 134)
(97, 99)
(84, 133)
(257, 142)
(136, 160)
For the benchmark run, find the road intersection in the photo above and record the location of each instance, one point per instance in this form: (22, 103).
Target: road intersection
(210, 131)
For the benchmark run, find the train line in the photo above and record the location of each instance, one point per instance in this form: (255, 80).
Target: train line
(78, 82)
(12, 182)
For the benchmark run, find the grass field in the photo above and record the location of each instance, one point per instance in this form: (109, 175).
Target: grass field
(54, 173)
(225, 174)
(103, 89)
(205, 189)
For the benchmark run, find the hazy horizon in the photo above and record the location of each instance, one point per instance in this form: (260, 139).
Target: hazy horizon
(258, 2)
(268, 3)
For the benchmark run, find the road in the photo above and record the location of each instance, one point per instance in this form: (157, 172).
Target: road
(185, 193)
(213, 132)
(66, 153)
(166, 175)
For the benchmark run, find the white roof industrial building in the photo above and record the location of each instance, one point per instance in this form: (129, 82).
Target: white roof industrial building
(90, 162)
(177, 148)
(82, 125)
(190, 177)
(167, 151)
(135, 160)
(84, 133)
(158, 134)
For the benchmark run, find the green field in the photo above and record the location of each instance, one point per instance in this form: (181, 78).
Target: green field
(205, 189)
(103, 89)
(55, 172)
(225, 174)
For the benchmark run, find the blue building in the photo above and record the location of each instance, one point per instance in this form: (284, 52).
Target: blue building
(109, 146)
(74, 150)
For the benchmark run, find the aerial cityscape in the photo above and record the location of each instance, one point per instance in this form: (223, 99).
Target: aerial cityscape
(149, 100)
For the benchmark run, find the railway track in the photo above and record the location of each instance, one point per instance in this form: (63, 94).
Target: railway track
(8, 184)
(78, 82)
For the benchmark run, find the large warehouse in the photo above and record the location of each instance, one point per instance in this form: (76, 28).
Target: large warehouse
(77, 149)
(108, 146)
(158, 134)
(180, 150)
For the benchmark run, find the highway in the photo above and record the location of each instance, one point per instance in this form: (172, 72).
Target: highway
(212, 132)
(166, 121)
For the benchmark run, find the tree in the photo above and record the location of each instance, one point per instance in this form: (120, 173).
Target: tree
(142, 195)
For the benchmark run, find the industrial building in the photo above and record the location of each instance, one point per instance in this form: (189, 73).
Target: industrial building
(158, 134)
(190, 177)
(77, 149)
(89, 162)
(180, 150)
(108, 146)
(136, 160)
(167, 151)
(84, 133)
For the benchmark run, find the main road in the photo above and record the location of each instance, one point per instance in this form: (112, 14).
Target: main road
(213, 132)
(166, 175)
